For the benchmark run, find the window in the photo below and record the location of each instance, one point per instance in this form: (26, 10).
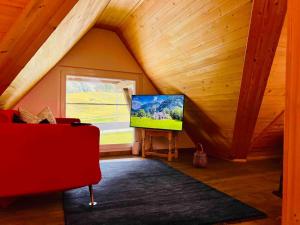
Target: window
(103, 103)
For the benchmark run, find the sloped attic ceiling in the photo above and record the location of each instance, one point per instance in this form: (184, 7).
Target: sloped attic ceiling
(44, 32)
(196, 48)
(25, 25)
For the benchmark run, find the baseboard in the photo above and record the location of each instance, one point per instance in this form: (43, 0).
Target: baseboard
(115, 153)
(239, 160)
(267, 153)
(262, 157)
(129, 153)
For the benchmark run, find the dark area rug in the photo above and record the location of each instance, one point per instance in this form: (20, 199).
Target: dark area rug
(144, 192)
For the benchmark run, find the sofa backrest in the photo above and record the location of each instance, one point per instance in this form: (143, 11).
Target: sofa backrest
(6, 116)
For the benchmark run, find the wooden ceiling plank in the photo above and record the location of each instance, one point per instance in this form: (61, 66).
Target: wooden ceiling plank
(192, 33)
(8, 16)
(14, 3)
(9, 11)
(22, 23)
(78, 21)
(116, 12)
(38, 17)
(132, 10)
(265, 29)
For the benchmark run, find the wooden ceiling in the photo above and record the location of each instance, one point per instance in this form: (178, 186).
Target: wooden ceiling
(60, 40)
(33, 25)
(194, 47)
(197, 47)
(9, 13)
(116, 12)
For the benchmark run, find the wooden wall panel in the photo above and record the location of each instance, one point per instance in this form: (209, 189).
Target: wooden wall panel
(291, 175)
(274, 100)
(196, 48)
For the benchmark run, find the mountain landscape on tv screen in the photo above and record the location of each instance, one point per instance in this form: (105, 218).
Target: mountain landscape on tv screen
(157, 111)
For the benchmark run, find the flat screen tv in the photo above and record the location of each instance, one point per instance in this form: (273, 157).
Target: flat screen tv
(157, 111)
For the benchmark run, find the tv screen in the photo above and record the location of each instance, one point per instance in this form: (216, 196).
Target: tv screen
(157, 111)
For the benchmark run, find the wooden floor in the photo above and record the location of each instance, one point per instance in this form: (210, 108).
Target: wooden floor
(251, 182)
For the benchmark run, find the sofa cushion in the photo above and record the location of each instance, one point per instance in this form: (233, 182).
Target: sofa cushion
(46, 114)
(28, 117)
(6, 116)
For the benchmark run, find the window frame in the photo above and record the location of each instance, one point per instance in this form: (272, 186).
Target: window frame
(136, 77)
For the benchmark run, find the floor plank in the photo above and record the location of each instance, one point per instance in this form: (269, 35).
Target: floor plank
(251, 182)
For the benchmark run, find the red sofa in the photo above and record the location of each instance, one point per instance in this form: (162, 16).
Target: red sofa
(38, 158)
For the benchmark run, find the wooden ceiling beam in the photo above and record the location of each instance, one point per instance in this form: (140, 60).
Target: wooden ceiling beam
(78, 21)
(29, 32)
(265, 29)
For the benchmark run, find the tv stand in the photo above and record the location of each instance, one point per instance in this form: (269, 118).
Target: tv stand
(148, 134)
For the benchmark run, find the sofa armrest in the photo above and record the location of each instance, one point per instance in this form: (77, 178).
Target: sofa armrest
(47, 157)
(67, 120)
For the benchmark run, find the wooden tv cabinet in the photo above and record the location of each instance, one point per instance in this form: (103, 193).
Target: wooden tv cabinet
(148, 134)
